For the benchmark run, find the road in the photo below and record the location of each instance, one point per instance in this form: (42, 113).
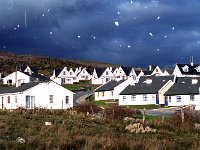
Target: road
(80, 96)
(167, 112)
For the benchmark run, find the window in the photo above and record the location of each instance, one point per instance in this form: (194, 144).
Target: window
(15, 99)
(170, 100)
(66, 99)
(50, 99)
(191, 97)
(62, 80)
(8, 99)
(30, 101)
(133, 97)
(144, 97)
(107, 73)
(185, 68)
(178, 98)
(124, 98)
(112, 93)
(102, 94)
(64, 73)
(107, 79)
(156, 70)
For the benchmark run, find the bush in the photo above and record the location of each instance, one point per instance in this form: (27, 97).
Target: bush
(88, 108)
(119, 112)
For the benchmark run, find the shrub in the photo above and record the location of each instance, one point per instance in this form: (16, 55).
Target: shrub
(119, 112)
(88, 108)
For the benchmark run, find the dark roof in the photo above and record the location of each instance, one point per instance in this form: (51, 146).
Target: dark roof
(147, 72)
(137, 72)
(109, 86)
(37, 76)
(170, 71)
(100, 71)
(191, 69)
(143, 88)
(21, 88)
(57, 71)
(33, 69)
(126, 70)
(184, 86)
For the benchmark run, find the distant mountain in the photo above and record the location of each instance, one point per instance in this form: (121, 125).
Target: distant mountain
(9, 61)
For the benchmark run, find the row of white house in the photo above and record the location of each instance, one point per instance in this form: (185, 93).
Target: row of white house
(99, 75)
(156, 90)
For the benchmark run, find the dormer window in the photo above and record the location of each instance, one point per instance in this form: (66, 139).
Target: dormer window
(185, 68)
(198, 69)
(148, 81)
(194, 81)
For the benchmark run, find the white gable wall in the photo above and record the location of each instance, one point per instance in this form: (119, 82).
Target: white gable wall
(21, 78)
(177, 72)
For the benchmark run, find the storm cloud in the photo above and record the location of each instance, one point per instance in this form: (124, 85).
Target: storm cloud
(147, 32)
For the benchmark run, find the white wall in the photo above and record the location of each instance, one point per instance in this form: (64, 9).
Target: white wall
(21, 78)
(151, 99)
(185, 100)
(41, 93)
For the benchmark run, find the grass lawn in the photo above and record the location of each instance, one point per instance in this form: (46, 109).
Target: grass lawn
(147, 117)
(74, 87)
(100, 103)
(144, 106)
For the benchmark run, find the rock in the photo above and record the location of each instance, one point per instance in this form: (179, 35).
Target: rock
(20, 140)
(48, 123)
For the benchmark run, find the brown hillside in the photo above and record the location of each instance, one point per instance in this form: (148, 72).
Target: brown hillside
(46, 65)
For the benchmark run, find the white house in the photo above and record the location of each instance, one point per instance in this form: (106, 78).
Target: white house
(187, 70)
(73, 75)
(102, 75)
(185, 91)
(123, 73)
(149, 90)
(62, 76)
(111, 90)
(48, 95)
(153, 70)
(84, 74)
(18, 77)
(28, 69)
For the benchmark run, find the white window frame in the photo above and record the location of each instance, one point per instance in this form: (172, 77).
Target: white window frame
(50, 99)
(192, 97)
(145, 97)
(133, 97)
(178, 98)
(124, 98)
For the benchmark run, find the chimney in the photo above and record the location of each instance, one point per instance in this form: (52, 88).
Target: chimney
(16, 80)
(191, 61)
(150, 67)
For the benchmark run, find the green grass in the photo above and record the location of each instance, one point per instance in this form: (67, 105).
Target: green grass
(143, 106)
(102, 103)
(147, 117)
(73, 87)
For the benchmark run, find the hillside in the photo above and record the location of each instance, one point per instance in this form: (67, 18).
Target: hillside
(9, 61)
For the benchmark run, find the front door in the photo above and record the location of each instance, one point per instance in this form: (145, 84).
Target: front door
(30, 102)
(157, 99)
(2, 106)
(166, 101)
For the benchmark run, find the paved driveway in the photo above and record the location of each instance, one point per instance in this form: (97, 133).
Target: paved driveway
(79, 97)
(167, 112)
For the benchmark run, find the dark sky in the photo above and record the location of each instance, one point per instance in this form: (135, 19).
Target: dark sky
(134, 33)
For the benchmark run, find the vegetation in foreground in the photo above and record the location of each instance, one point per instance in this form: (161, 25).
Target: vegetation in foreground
(76, 130)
